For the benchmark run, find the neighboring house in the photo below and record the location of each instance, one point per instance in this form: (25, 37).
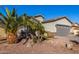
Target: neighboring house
(60, 26)
(75, 29)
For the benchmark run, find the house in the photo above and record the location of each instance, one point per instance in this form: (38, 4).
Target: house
(60, 26)
(75, 29)
(39, 18)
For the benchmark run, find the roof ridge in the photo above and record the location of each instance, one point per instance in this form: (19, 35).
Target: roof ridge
(39, 15)
(59, 18)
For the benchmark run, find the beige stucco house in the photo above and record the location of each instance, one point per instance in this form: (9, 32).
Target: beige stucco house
(59, 26)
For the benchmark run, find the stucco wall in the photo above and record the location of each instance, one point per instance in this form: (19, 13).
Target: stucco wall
(2, 33)
(51, 27)
(40, 19)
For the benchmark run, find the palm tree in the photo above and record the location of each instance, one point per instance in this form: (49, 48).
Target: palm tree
(10, 23)
(33, 26)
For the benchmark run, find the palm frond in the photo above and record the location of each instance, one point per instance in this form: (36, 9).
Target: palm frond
(13, 12)
(8, 12)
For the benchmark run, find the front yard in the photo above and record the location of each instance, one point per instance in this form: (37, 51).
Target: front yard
(56, 45)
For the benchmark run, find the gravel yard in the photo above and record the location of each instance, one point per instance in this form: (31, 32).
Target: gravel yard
(54, 46)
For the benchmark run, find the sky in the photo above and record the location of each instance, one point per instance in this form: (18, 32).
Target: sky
(48, 11)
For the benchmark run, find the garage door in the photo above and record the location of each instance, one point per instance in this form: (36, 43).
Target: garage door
(62, 30)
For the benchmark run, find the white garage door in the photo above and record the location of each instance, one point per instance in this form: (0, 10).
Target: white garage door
(62, 30)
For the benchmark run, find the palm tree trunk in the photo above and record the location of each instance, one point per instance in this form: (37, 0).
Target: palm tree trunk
(11, 38)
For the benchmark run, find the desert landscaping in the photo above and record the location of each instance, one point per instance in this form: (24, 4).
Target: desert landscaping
(34, 35)
(52, 45)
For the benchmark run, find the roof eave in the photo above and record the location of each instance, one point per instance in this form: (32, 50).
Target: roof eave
(57, 20)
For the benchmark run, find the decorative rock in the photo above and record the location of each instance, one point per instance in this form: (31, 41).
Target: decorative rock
(30, 43)
(69, 46)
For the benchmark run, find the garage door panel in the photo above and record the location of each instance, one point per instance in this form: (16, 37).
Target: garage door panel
(62, 30)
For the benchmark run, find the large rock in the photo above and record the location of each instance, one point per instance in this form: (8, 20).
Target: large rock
(50, 35)
(69, 46)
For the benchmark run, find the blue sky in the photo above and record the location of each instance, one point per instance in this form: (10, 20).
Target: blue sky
(48, 11)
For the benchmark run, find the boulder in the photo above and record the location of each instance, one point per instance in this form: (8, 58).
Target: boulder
(69, 46)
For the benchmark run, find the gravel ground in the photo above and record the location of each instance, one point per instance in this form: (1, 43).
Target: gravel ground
(51, 46)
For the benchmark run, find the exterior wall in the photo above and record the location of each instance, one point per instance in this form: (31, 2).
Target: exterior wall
(63, 22)
(51, 27)
(33, 20)
(2, 33)
(72, 30)
(75, 30)
(40, 19)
